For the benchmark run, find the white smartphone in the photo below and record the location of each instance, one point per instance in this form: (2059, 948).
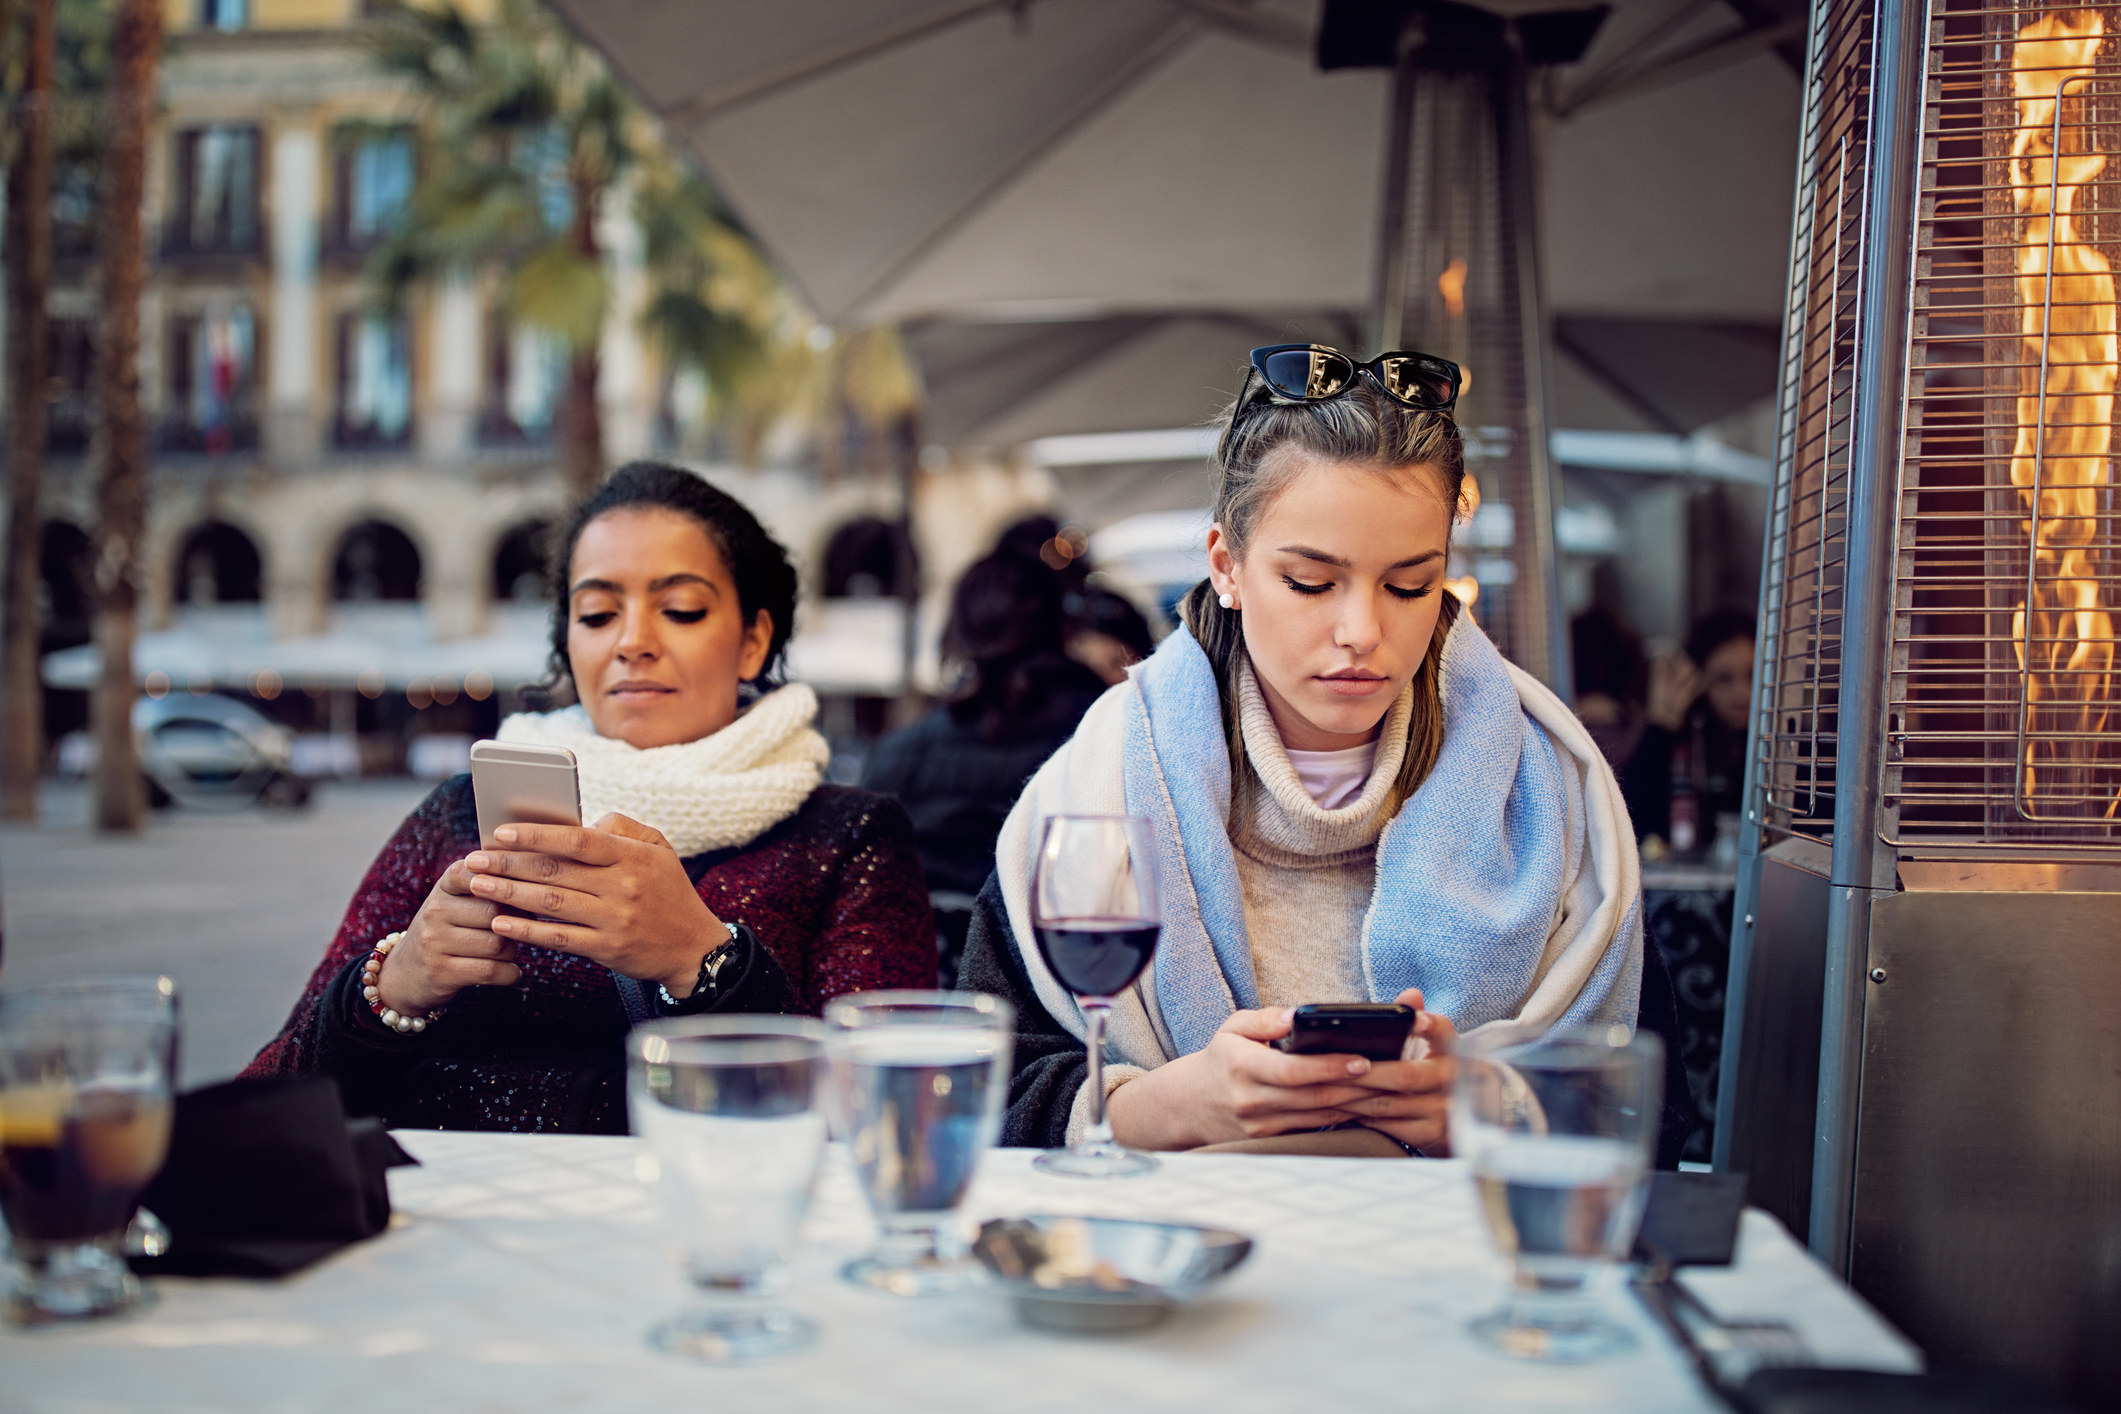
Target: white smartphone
(517, 784)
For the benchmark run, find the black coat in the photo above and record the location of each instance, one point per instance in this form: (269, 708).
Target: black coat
(957, 779)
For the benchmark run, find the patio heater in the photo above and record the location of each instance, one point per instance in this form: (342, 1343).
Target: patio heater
(1457, 268)
(1922, 1063)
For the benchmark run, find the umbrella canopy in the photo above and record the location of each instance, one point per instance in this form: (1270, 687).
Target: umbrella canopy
(985, 160)
(1003, 159)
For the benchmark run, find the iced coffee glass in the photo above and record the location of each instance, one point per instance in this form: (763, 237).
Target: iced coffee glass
(84, 1126)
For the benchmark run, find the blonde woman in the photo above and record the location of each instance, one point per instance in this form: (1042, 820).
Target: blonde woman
(1356, 797)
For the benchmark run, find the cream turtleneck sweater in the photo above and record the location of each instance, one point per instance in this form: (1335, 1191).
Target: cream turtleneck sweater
(1307, 872)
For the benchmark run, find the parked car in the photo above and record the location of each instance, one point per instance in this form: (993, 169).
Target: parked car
(213, 751)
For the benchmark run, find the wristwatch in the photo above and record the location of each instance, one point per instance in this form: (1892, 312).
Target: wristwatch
(710, 969)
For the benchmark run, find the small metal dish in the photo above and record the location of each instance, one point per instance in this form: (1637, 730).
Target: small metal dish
(1103, 1274)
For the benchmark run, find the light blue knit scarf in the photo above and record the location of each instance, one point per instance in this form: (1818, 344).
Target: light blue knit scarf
(1476, 875)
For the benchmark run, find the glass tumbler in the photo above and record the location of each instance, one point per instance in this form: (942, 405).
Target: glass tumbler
(135, 992)
(732, 1112)
(921, 1079)
(1560, 1130)
(84, 1127)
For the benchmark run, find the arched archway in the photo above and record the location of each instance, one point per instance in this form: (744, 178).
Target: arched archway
(519, 563)
(375, 561)
(218, 564)
(68, 589)
(870, 558)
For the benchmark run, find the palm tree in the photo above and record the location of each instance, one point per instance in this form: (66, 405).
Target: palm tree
(121, 491)
(29, 274)
(525, 134)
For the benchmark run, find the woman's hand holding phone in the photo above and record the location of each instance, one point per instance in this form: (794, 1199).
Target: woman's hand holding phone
(1240, 1087)
(448, 946)
(1411, 1099)
(615, 892)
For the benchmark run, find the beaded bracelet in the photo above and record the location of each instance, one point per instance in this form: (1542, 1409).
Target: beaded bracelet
(371, 971)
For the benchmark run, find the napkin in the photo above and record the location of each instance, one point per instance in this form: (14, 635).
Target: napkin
(1800, 1391)
(267, 1176)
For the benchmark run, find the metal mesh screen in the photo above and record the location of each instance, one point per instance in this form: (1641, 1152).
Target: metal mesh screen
(2002, 728)
(1806, 552)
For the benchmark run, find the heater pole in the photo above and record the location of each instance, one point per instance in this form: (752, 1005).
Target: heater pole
(1863, 867)
(1542, 625)
(1388, 300)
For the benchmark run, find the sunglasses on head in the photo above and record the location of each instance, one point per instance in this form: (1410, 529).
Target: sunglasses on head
(1313, 373)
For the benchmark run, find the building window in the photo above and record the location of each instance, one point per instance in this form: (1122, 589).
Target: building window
(374, 178)
(73, 210)
(217, 190)
(70, 383)
(374, 382)
(213, 359)
(228, 16)
(869, 559)
(524, 373)
(376, 563)
(218, 564)
(519, 563)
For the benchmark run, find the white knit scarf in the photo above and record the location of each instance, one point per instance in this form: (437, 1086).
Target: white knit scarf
(725, 789)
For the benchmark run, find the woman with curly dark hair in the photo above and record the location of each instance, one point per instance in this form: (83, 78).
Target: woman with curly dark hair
(718, 873)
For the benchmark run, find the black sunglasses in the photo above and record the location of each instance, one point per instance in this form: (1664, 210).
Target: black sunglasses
(1313, 373)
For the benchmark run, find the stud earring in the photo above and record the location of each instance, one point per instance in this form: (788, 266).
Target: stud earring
(1226, 601)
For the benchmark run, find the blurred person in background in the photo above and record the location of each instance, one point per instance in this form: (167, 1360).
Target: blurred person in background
(718, 873)
(1610, 678)
(1018, 697)
(1106, 633)
(1689, 767)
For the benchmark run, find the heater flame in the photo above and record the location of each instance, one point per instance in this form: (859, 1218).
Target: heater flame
(2062, 463)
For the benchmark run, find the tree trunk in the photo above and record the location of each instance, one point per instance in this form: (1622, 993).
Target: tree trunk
(582, 424)
(29, 277)
(582, 420)
(121, 492)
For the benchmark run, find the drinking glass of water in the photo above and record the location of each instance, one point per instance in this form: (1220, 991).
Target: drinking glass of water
(1560, 1131)
(84, 1127)
(921, 1079)
(1097, 913)
(732, 1112)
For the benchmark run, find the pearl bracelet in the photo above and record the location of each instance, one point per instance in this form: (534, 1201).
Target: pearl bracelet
(371, 971)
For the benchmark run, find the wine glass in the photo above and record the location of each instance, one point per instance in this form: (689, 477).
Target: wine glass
(1097, 913)
(1560, 1130)
(732, 1109)
(921, 1079)
(84, 1126)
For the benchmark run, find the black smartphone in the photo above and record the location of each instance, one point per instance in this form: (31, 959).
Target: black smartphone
(1377, 1030)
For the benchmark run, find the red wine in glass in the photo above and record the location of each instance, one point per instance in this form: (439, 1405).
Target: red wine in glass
(1096, 912)
(1098, 957)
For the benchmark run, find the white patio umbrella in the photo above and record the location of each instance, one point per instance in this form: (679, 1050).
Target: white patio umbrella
(1002, 159)
(997, 160)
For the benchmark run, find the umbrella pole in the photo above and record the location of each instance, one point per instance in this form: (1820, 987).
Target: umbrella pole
(1388, 302)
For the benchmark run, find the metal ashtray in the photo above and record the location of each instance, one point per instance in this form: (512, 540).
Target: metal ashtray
(1104, 1274)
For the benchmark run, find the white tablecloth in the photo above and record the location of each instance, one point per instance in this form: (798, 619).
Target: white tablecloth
(521, 1272)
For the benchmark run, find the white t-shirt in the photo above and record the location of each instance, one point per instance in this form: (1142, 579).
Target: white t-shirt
(1333, 778)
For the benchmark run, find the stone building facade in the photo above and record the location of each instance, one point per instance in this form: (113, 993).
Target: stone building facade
(309, 454)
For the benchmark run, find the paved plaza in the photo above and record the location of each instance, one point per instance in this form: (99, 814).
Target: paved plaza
(237, 907)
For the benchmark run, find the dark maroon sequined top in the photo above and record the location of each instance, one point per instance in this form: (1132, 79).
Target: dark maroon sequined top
(834, 894)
